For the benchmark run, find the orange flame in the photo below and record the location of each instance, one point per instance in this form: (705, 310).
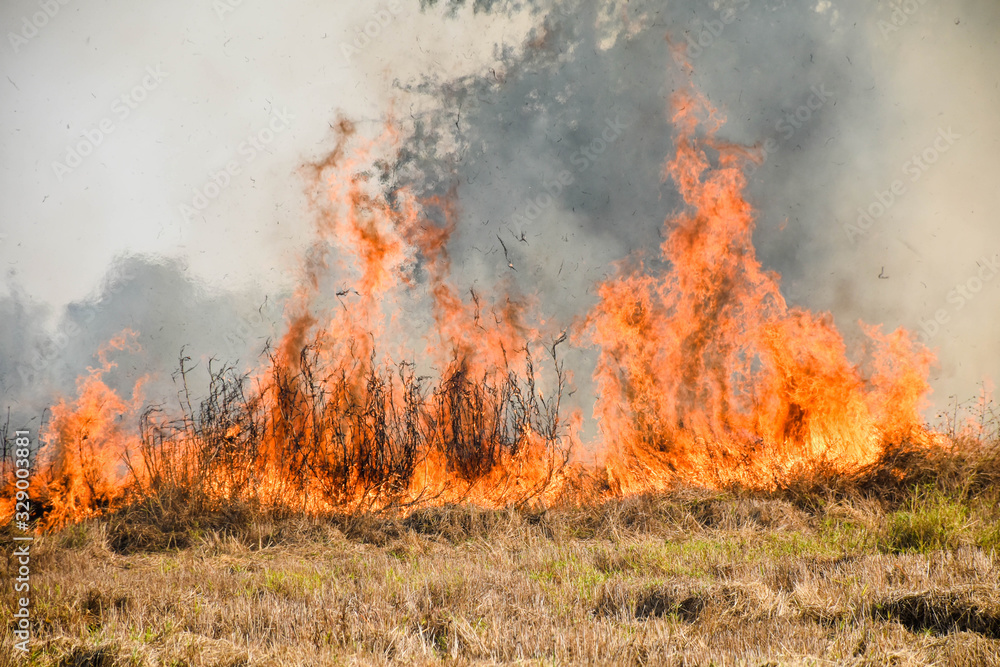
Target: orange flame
(706, 374)
(84, 469)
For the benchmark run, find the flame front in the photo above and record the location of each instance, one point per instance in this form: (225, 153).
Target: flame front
(86, 470)
(707, 375)
(704, 375)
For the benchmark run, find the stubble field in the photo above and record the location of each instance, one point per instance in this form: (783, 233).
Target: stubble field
(897, 566)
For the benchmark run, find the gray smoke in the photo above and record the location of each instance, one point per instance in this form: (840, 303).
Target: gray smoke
(171, 315)
(825, 90)
(551, 118)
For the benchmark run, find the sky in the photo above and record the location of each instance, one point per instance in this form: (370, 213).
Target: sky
(151, 163)
(222, 75)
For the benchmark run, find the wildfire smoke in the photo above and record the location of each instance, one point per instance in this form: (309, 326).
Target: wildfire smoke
(704, 374)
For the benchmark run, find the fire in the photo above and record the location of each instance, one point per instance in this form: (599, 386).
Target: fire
(84, 470)
(337, 416)
(705, 374)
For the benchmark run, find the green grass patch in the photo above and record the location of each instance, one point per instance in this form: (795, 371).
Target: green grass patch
(929, 521)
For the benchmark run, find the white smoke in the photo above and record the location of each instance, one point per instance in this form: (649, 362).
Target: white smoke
(551, 116)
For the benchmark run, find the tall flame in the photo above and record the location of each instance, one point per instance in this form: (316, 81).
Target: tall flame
(84, 471)
(705, 373)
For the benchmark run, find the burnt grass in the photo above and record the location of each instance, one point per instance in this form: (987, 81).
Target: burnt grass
(898, 564)
(944, 612)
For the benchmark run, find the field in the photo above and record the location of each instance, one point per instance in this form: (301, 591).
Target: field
(489, 359)
(756, 496)
(899, 565)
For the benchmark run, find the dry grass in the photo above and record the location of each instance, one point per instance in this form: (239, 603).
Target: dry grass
(692, 577)
(344, 434)
(898, 564)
